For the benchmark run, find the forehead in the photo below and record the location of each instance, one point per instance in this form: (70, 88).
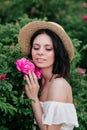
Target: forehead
(43, 39)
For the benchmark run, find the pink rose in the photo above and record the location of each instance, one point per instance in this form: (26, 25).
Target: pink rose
(32, 10)
(85, 4)
(81, 71)
(3, 76)
(24, 66)
(84, 17)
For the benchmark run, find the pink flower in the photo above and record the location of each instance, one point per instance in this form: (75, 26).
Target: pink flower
(84, 17)
(24, 65)
(3, 76)
(81, 71)
(32, 10)
(38, 72)
(84, 4)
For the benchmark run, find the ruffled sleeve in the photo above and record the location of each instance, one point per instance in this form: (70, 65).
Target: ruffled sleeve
(59, 113)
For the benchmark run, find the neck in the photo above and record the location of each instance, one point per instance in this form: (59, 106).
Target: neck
(47, 75)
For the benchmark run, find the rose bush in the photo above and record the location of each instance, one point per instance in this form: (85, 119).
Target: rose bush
(15, 108)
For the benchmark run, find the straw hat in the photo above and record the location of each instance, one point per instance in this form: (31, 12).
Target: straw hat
(28, 30)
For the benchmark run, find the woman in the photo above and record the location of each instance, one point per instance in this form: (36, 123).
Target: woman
(51, 50)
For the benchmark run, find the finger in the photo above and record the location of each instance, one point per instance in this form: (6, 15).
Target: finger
(28, 81)
(26, 88)
(31, 77)
(34, 78)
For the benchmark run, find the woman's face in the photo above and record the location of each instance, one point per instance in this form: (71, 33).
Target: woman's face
(42, 51)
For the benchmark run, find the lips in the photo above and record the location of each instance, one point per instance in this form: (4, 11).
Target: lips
(40, 59)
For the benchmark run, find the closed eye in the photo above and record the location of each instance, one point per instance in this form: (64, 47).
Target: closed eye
(49, 49)
(35, 48)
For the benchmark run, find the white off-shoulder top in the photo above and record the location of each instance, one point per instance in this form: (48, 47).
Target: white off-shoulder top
(55, 113)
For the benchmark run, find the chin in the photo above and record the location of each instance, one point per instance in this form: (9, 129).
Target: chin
(39, 66)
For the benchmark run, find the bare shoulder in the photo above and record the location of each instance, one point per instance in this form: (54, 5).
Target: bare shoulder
(60, 90)
(60, 84)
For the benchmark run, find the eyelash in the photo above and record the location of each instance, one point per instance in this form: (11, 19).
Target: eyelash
(45, 49)
(35, 48)
(48, 49)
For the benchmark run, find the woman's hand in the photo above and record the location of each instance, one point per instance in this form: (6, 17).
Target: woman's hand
(32, 86)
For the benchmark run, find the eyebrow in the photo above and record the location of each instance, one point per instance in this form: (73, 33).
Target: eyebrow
(39, 44)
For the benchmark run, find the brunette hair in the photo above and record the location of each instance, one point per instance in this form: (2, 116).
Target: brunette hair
(61, 64)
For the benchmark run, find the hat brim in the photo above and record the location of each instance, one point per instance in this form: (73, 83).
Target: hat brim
(28, 30)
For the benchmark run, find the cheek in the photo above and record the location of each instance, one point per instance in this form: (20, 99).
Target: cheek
(51, 57)
(33, 54)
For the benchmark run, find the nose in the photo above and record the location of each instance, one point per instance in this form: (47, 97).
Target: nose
(41, 51)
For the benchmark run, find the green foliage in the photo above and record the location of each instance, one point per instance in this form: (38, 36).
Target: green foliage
(14, 106)
(78, 82)
(9, 33)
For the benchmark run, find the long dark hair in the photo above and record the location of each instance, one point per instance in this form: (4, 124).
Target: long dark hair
(61, 64)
